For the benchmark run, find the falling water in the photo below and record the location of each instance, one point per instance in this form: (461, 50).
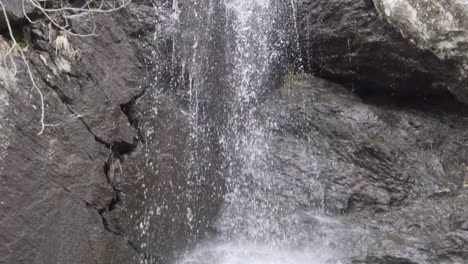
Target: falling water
(8, 81)
(229, 65)
(213, 193)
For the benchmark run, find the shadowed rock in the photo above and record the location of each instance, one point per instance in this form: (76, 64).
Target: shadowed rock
(15, 11)
(347, 41)
(438, 26)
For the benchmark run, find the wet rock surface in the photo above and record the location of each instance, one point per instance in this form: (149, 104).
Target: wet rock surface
(418, 231)
(347, 41)
(165, 206)
(55, 187)
(376, 179)
(394, 173)
(393, 152)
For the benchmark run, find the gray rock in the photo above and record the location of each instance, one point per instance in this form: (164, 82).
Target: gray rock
(452, 248)
(360, 154)
(56, 188)
(378, 170)
(167, 203)
(15, 12)
(383, 260)
(86, 192)
(438, 26)
(418, 230)
(347, 41)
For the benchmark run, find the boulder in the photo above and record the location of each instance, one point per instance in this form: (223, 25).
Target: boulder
(438, 26)
(348, 41)
(358, 152)
(390, 174)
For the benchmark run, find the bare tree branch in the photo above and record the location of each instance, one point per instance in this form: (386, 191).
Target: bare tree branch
(15, 44)
(58, 17)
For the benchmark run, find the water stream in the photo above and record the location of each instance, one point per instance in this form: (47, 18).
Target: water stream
(227, 56)
(256, 224)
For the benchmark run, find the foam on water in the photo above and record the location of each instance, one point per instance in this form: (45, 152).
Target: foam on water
(245, 253)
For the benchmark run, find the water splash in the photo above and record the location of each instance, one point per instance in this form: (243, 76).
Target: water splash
(254, 224)
(227, 56)
(252, 254)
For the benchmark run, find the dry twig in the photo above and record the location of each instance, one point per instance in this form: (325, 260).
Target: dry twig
(58, 18)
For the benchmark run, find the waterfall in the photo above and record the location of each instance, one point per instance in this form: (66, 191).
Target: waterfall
(233, 96)
(215, 194)
(247, 211)
(231, 54)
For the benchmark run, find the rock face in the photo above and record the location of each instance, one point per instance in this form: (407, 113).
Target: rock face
(392, 152)
(56, 187)
(115, 177)
(15, 12)
(438, 26)
(421, 231)
(348, 42)
(166, 206)
(395, 171)
(171, 186)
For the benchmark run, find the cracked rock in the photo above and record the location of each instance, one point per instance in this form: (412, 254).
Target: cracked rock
(54, 186)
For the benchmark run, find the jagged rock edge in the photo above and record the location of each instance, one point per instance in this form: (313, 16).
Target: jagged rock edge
(115, 152)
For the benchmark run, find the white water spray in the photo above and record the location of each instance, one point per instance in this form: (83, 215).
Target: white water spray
(255, 225)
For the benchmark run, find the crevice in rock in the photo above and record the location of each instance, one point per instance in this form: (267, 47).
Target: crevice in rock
(118, 149)
(64, 99)
(20, 28)
(106, 224)
(108, 228)
(127, 109)
(446, 102)
(413, 99)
